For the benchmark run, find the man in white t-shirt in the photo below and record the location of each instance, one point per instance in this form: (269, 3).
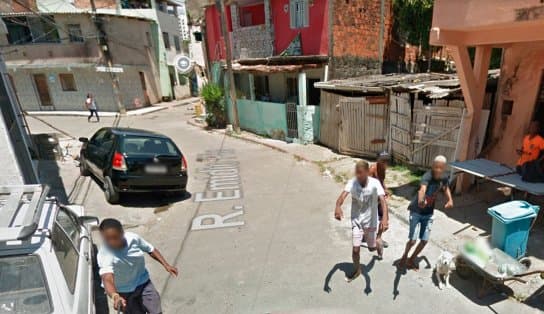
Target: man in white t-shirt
(365, 192)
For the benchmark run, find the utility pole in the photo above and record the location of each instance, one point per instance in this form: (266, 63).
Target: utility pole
(103, 44)
(220, 5)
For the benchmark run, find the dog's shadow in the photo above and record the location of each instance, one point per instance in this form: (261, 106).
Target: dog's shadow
(347, 269)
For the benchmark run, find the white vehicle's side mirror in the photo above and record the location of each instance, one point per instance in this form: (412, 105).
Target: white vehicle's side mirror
(89, 220)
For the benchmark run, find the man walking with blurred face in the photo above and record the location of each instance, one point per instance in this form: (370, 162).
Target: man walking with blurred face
(365, 192)
(422, 207)
(122, 269)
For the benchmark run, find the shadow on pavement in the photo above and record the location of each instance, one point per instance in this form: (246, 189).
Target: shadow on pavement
(48, 170)
(154, 199)
(402, 270)
(471, 287)
(536, 299)
(148, 199)
(347, 269)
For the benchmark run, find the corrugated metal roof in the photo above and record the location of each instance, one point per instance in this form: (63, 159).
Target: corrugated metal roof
(435, 85)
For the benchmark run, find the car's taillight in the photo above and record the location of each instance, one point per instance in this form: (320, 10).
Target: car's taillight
(118, 162)
(183, 164)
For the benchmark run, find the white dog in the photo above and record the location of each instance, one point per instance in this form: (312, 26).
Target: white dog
(443, 268)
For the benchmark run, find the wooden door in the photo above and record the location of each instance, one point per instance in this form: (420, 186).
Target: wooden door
(329, 119)
(401, 126)
(364, 127)
(40, 81)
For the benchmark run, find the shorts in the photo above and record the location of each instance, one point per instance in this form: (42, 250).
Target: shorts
(424, 222)
(370, 235)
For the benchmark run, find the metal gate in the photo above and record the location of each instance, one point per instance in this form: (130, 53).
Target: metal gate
(292, 124)
(364, 125)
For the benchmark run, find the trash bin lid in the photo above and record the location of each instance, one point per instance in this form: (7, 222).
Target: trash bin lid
(512, 211)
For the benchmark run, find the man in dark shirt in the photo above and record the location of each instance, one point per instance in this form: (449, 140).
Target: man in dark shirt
(422, 208)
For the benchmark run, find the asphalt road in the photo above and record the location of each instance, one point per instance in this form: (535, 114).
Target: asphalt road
(267, 243)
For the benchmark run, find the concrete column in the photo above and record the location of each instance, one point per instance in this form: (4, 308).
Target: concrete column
(251, 86)
(473, 81)
(269, 27)
(304, 113)
(302, 101)
(235, 19)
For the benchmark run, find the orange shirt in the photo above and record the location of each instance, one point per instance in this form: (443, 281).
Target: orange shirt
(531, 148)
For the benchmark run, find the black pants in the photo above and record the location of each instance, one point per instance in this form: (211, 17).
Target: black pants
(93, 112)
(145, 299)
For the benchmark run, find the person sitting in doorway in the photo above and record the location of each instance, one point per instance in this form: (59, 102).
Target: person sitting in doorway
(531, 147)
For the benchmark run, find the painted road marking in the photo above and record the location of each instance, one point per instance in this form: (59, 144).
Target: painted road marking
(223, 183)
(214, 221)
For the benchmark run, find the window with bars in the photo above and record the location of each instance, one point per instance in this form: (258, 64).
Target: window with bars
(299, 13)
(74, 33)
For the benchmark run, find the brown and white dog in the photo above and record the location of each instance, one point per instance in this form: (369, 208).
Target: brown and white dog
(443, 268)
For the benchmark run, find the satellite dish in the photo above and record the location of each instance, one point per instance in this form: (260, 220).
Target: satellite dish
(184, 64)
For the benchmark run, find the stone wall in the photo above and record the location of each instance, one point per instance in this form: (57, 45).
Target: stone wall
(355, 40)
(251, 41)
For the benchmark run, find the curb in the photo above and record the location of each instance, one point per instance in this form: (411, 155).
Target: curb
(254, 141)
(136, 112)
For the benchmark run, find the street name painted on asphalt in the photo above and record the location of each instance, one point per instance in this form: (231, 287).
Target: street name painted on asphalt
(223, 184)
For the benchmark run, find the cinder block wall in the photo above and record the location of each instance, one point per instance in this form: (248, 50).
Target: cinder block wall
(355, 40)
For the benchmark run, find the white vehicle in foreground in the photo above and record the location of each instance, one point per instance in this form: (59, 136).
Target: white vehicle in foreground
(46, 262)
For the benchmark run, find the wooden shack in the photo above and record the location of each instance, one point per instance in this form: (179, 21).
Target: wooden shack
(413, 116)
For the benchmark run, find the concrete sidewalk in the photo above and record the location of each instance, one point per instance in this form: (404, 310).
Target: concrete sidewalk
(467, 220)
(134, 112)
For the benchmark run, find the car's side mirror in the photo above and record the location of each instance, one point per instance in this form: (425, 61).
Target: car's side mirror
(89, 220)
(83, 139)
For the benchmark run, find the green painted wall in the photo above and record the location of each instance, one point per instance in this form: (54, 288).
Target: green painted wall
(264, 118)
(316, 122)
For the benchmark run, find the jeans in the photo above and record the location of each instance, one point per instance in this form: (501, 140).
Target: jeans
(93, 112)
(424, 222)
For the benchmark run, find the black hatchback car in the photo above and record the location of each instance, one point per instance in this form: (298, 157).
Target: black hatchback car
(132, 160)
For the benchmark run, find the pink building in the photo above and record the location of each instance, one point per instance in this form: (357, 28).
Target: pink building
(282, 47)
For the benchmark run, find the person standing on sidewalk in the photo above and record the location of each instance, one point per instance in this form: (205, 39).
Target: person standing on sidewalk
(90, 104)
(422, 208)
(122, 269)
(365, 192)
(378, 171)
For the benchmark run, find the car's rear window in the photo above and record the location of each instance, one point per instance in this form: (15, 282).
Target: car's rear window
(22, 285)
(139, 145)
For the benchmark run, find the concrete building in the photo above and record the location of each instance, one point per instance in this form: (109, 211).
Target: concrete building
(282, 47)
(196, 53)
(183, 21)
(15, 143)
(165, 32)
(517, 28)
(55, 59)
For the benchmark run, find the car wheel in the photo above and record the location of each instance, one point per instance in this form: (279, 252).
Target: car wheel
(83, 171)
(112, 195)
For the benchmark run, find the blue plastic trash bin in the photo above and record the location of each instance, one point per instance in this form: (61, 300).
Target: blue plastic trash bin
(511, 224)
